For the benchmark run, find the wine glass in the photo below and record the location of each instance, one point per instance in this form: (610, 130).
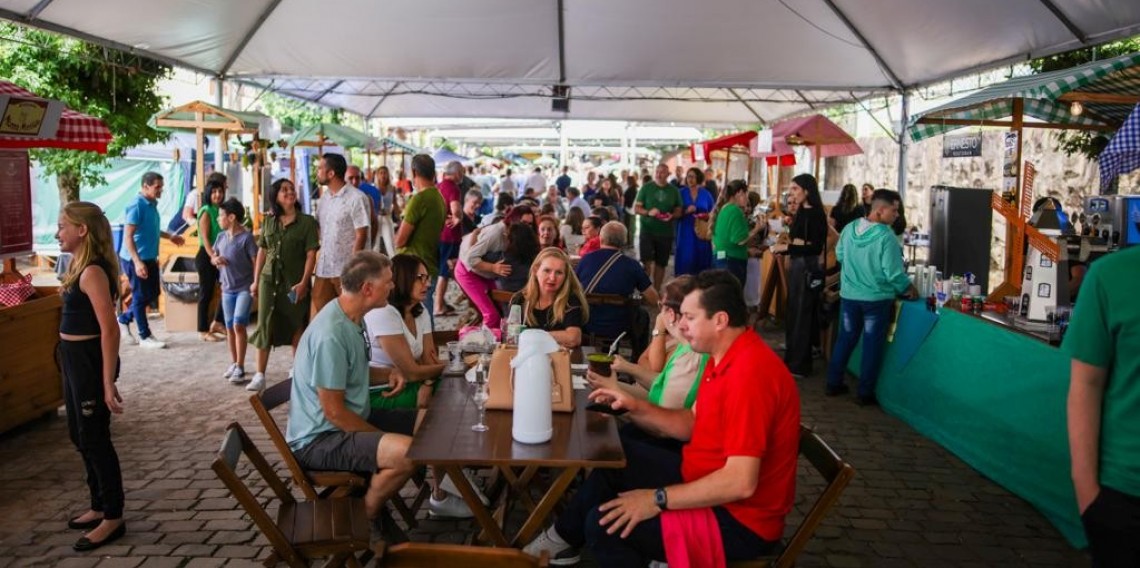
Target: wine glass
(479, 396)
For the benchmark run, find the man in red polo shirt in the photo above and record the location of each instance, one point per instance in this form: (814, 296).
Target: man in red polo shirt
(739, 460)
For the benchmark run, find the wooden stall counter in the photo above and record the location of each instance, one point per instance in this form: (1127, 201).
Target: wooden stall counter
(30, 381)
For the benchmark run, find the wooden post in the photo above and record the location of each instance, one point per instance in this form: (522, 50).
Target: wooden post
(256, 189)
(293, 165)
(200, 163)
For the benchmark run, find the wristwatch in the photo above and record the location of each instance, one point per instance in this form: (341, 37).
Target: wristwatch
(661, 499)
(656, 332)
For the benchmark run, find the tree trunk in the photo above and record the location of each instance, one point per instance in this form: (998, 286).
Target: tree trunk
(68, 188)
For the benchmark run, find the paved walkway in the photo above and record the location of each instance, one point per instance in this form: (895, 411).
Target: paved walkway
(911, 504)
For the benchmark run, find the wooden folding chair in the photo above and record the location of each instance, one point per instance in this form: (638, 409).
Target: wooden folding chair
(336, 528)
(837, 473)
(417, 555)
(334, 483)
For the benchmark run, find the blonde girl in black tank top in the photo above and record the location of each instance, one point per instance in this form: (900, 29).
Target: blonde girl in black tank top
(88, 353)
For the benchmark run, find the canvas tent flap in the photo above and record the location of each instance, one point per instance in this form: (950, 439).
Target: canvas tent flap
(766, 60)
(816, 131)
(1122, 155)
(327, 134)
(1042, 98)
(215, 118)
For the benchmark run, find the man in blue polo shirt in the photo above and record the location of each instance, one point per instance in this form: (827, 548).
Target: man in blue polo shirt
(609, 271)
(139, 258)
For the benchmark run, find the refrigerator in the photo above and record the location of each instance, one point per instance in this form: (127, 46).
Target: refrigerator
(961, 229)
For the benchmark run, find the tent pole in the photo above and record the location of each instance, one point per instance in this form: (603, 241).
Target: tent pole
(293, 165)
(903, 145)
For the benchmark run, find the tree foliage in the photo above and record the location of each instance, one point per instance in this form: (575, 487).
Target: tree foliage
(297, 114)
(1089, 144)
(116, 87)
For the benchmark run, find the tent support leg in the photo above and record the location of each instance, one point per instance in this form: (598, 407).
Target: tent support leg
(902, 144)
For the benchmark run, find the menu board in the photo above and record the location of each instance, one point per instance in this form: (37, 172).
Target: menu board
(15, 203)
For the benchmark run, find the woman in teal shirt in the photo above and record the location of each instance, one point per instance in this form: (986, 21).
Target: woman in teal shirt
(208, 230)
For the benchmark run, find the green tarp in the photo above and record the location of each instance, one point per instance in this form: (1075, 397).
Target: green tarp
(993, 397)
(123, 181)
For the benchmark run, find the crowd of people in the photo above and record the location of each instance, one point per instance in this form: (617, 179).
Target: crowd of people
(365, 364)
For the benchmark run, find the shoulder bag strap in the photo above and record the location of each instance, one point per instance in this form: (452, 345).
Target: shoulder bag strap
(602, 272)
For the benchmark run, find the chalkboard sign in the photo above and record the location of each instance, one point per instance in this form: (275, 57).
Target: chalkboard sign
(962, 145)
(15, 203)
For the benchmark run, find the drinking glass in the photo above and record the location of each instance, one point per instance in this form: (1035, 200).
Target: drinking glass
(455, 356)
(940, 299)
(479, 396)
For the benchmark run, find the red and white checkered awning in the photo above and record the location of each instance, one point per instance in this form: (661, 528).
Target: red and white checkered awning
(77, 131)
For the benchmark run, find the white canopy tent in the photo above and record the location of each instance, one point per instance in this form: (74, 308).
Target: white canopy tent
(716, 61)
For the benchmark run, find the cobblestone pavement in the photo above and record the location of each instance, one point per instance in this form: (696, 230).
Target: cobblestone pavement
(911, 503)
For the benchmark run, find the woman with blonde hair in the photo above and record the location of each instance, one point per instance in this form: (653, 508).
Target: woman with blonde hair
(553, 299)
(88, 355)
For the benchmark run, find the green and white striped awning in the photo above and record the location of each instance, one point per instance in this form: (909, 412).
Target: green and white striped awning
(1040, 93)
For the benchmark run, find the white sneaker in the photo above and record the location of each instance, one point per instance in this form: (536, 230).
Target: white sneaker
(238, 376)
(561, 553)
(449, 486)
(152, 343)
(257, 384)
(450, 507)
(125, 335)
(229, 371)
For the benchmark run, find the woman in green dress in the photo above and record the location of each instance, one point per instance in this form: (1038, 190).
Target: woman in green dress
(286, 254)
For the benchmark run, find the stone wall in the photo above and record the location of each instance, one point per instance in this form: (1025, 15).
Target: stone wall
(1068, 178)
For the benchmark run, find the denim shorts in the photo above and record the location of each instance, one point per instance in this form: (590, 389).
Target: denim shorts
(235, 306)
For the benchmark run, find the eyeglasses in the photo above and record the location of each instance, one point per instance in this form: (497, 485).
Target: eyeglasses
(423, 277)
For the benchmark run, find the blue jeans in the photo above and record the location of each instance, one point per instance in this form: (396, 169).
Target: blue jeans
(143, 292)
(738, 267)
(871, 319)
(236, 307)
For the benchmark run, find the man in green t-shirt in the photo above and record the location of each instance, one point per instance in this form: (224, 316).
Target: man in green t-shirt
(1104, 408)
(657, 204)
(423, 220)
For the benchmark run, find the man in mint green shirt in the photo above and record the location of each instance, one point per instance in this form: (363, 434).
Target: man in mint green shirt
(1104, 407)
(331, 426)
(872, 276)
(423, 221)
(657, 205)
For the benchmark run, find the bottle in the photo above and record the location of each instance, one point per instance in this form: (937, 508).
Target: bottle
(514, 325)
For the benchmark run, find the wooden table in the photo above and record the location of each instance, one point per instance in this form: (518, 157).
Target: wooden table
(582, 439)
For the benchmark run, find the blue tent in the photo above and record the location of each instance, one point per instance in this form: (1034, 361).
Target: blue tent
(443, 156)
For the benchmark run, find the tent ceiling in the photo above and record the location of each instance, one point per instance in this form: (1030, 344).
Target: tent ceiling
(419, 57)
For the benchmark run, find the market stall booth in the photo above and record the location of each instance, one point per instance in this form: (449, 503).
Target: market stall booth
(728, 153)
(30, 384)
(988, 382)
(205, 119)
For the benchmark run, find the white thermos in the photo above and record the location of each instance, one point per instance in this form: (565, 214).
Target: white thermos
(532, 378)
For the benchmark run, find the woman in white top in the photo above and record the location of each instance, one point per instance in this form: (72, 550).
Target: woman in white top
(481, 262)
(400, 336)
(571, 231)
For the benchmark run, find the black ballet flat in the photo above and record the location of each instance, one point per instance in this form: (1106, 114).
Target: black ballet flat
(85, 544)
(83, 525)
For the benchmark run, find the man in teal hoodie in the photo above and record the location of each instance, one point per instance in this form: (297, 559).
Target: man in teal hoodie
(872, 276)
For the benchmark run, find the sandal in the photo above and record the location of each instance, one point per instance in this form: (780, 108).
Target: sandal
(209, 337)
